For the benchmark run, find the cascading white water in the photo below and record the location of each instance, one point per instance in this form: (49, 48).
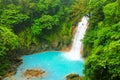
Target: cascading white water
(75, 52)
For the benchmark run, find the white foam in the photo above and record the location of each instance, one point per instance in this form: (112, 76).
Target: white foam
(74, 53)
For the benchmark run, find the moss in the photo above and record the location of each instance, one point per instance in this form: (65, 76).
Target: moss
(74, 76)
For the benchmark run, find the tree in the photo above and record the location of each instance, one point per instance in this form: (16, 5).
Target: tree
(12, 16)
(45, 22)
(103, 60)
(8, 40)
(112, 12)
(79, 9)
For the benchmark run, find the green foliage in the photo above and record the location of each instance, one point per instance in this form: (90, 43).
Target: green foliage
(8, 40)
(26, 39)
(104, 63)
(64, 36)
(48, 6)
(102, 41)
(12, 16)
(28, 7)
(112, 12)
(79, 9)
(45, 22)
(4, 65)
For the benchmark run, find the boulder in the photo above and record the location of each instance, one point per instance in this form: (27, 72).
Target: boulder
(73, 76)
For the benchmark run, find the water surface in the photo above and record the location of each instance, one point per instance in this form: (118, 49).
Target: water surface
(53, 63)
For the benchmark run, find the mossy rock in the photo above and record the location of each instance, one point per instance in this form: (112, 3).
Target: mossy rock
(73, 76)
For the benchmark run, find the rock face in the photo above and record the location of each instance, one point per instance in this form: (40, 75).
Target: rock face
(73, 30)
(33, 73)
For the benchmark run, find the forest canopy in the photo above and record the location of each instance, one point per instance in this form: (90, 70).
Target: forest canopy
(102, 41)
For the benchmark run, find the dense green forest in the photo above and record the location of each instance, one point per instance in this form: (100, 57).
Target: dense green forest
(102, 41)
(29, 26)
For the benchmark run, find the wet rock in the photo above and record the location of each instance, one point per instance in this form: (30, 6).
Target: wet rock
(55, 44)
(73, 76)
(13, 68)
(33, 73)
(18, 60)
(46, 46)
(0, 77)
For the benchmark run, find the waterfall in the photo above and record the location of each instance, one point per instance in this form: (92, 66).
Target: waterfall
(75, 52)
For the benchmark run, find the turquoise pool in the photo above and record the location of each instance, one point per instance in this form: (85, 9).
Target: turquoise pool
(53, 63)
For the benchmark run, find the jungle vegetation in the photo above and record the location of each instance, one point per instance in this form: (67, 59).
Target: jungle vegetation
(28, 26)
(102, 41)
